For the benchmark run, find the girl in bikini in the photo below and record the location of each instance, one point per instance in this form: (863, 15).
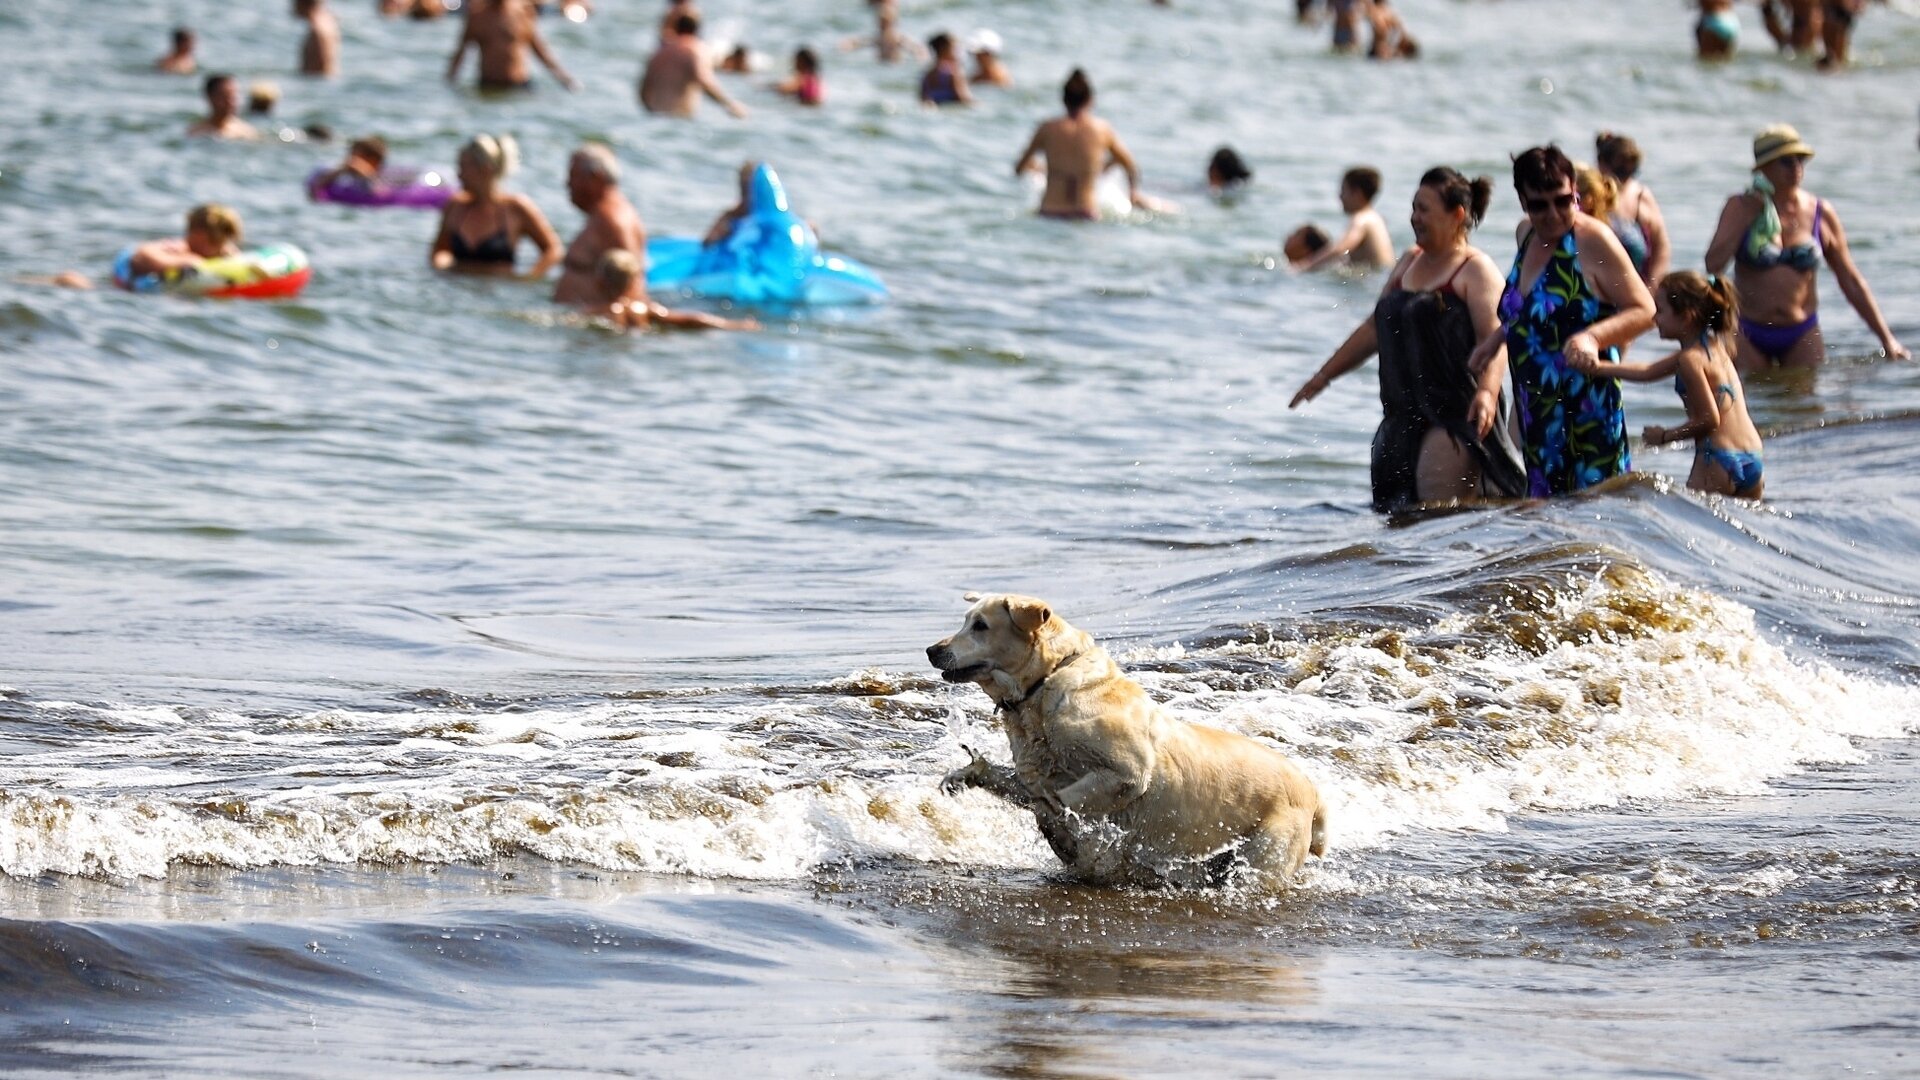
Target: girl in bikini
(1699, 311)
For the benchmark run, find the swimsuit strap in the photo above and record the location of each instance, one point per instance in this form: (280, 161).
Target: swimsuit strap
(1447, 286)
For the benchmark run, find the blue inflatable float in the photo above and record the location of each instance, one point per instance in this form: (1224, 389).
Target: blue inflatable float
(770, 258)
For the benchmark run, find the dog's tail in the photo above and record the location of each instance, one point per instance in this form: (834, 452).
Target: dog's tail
(1319, 843)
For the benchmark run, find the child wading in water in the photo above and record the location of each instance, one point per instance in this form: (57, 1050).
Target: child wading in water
(1698, 310)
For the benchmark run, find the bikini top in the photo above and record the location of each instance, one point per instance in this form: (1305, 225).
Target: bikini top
(495, 247)
(1679, 380)
(1762, 249)
(1633, 237)
(938, 87)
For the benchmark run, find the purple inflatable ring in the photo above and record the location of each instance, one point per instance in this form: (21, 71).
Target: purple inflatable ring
(419, 188)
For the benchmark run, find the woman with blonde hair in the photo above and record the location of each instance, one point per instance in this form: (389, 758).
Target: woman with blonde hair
(481, 228)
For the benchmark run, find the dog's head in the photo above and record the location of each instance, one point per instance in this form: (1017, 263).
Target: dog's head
(1006, 645)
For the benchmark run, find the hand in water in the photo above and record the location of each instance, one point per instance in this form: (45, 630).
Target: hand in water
(1897, 351)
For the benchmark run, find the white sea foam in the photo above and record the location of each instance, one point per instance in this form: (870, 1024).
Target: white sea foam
(1626, 689)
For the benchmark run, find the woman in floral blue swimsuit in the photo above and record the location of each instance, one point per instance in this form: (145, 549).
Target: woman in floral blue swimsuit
(1572, 292)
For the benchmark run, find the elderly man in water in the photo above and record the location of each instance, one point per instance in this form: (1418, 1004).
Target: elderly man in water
(503, 31)
(593, 185)
(679, 72)
(223, 111)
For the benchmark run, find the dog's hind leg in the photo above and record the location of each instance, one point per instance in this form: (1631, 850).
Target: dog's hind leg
(1276, 851)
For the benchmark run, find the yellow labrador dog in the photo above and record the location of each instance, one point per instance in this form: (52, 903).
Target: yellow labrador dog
(1124, 793)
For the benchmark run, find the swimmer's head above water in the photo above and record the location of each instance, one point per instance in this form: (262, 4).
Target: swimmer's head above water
(1077, 94)
(1359, 186)
(212, 229)
(1617, 154)
(223, 94)
(495, 157)
(616, 272)
(1226, 170)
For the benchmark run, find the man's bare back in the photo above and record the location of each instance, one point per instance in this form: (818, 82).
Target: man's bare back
(677, 74)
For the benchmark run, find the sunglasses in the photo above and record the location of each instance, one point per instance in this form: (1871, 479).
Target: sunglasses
(1562, 201)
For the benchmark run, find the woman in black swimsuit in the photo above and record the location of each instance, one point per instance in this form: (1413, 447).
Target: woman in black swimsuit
(1444, 433)
(481, 227)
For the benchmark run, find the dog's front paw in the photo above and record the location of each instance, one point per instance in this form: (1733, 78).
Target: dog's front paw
(974, 773)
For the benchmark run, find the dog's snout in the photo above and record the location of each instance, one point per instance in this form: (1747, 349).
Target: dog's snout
(937, 654)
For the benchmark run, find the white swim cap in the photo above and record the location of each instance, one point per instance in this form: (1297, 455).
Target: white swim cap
(983, 41)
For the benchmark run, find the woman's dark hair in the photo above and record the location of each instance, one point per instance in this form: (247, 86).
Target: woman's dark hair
(940, 43)
(1077, 92)
(805, 60)
(1617, 154)
(1227, 168)
(1456, 190)
(1541, 169)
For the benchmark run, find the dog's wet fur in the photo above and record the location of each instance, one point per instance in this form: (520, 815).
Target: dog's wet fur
(1123, 792)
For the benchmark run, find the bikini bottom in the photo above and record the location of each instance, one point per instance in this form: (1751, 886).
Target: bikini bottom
(1774, 342)
(1742, 466)
(1724, 25)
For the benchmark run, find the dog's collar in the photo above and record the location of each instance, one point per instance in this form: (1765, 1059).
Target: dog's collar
(1035, 689)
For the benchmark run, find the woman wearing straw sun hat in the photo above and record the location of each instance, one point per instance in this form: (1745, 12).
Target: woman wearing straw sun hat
(1776, 233)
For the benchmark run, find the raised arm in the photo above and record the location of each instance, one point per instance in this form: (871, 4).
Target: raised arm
(1852, 284)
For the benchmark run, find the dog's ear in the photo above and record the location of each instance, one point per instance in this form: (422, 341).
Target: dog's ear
(972, 598)
(1028, 615)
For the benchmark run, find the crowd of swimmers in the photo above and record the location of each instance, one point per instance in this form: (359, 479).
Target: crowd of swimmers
(1491, 385)
(1495, 387)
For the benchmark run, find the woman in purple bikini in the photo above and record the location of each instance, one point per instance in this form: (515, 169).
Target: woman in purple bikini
(1776, 234)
